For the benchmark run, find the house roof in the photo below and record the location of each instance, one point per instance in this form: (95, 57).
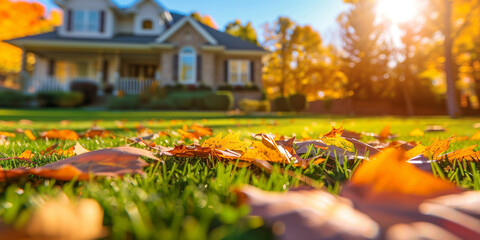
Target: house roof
(225, 40)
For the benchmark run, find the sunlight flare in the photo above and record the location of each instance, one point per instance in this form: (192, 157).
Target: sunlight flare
(398, 11)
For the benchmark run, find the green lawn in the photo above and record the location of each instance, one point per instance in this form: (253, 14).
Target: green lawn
(187, 198)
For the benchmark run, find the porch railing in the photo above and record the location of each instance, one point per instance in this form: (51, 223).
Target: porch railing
(132, 85)
(128, 85)
(52, 84)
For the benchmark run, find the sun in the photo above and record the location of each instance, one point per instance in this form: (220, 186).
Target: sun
(398, 11)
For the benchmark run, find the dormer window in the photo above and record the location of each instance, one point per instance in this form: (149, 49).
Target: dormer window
(147, 24)
(86, 21)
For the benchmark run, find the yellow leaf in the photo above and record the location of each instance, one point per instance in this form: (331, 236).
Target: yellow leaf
(7, 134)
(417, 150)
(417, 133)
(468, 154)
(230, 142)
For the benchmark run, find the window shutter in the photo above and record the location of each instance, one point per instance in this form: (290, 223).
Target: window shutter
(252, 71)
(226, 70)
(199, 68)
(102, 21)
(51, 67)
(175, 67)
(69, 20)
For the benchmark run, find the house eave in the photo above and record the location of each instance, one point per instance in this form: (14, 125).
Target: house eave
(246, 52)
(30, 44)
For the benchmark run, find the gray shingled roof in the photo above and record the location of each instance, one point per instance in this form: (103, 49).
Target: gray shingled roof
(224, 39)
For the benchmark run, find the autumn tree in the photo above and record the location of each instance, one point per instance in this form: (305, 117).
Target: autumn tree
(299, 62)
(205, 19)
(366, 54)
(19, 19)
(246, 32)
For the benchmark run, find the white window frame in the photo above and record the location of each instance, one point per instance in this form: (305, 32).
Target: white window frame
(180, 64)
(86, 21)
(239, 72)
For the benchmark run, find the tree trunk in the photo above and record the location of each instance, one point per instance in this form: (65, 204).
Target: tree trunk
(408, 79)
(452, 99)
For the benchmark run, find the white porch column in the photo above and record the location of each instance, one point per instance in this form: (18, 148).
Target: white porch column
(158, 73)
(116, 73)
(99, 73)
(23, 79)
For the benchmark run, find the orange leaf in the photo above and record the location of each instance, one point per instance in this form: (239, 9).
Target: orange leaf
(463, 154)
(26, 155)
(438, 147)
(416, 133)
(7, 134)
(475, 136)
(30, 135)
(91, 133)
(60, 134)
(106, 162)
(389, 173)
(385, 133)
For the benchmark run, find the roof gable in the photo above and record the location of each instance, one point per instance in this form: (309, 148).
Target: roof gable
(182, 22)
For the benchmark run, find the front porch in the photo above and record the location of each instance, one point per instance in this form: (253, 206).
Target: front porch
(111, 73)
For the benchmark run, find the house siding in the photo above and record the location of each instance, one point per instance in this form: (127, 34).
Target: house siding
(87, 4)
(124, 25)
(167, 68)
(147, 10)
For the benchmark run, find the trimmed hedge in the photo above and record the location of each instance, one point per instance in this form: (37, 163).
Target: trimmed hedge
(124, 102)
(250, 105)
(298, 102)
(12, 98)
(282, 104)
(60, 99)
(220, 101)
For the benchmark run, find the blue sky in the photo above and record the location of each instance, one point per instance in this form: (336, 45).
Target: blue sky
(321, 14)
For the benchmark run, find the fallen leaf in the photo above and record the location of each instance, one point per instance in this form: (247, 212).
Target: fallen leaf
(79, 149)
(231, 142)
(335, 132)
(27, 154)
(475, 136)
(96, 132)
(462, 154)
(435, 129)
(25, 122)
(60, 134)
(437, 147)
(7, 134)
(106, 162)
(384, 134)
(30, 135)
(416, 133)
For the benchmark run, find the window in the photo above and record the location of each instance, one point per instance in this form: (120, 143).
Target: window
(239, 72)
(187, 63)
(86, 21)
(147, 24)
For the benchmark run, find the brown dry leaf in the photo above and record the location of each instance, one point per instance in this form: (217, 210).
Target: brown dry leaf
(335, 132)
(435, 129)
(384, 134)
(188, 135)
(463, 154)
(60, 134)
(60, 218)
(30, 135)
(231, 142)
(416, 133)
(49, 150)
(106, 162)
(191, 151)
(7, 134)
(102, 133)
(437, 147)
(201, 131)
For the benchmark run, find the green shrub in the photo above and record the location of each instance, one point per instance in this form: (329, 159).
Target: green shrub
(12, 98)
(298, 102)
(87, 88)
(282, 104)
(161, 104)
(125, 102)
(250, 105)
(60, 99)
(220, 101)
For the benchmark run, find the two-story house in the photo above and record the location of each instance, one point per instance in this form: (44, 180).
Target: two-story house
(130, 48)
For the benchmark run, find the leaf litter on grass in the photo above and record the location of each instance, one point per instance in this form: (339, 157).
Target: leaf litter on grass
(385, 185)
